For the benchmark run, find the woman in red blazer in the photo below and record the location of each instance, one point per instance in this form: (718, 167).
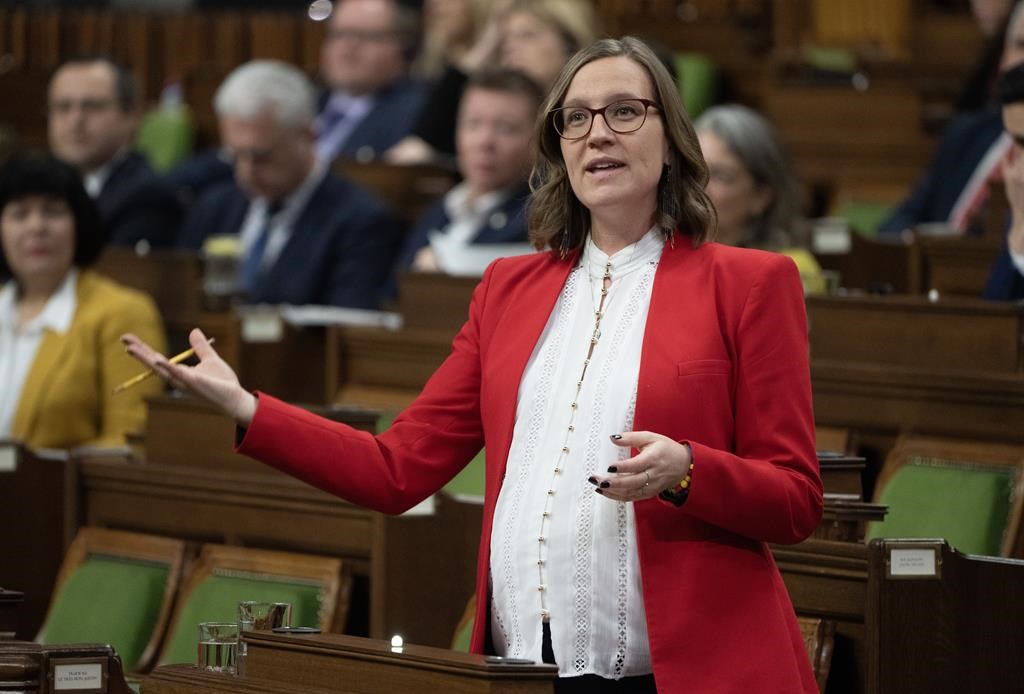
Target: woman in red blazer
(668, 584)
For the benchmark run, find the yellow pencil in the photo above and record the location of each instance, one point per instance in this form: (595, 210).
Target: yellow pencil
(176, 359)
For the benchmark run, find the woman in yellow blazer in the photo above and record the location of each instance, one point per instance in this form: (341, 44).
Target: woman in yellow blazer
(60, 357)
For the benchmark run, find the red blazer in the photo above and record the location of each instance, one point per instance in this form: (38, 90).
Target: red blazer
(724, 366)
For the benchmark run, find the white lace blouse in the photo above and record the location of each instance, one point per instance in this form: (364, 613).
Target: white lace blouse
(559, 551)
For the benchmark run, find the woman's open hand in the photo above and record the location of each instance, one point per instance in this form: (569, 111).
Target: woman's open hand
(211, 379)
(660, 464)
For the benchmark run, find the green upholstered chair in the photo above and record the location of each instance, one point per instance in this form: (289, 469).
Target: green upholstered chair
(165, 136)
(223, 576)
(468, 485)
(970, 494)
(864, 216)
(115, 587)
(698, 81)
(464, 629)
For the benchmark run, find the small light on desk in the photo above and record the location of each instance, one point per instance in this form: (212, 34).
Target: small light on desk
(933, 296)
(396, 641)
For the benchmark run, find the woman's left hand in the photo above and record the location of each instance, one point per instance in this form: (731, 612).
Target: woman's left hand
(660, 464)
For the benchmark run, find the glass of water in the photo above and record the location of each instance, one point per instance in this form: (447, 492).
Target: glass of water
(218, 646)
(253, 614)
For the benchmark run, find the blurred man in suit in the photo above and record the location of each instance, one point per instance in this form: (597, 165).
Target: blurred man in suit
(370, 102)
(954, 188)
(306, 236)
(494, 136)
(93, 116)
(1007, 279)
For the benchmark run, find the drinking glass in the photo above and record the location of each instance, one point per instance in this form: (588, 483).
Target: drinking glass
(253, 614)
(218, 646)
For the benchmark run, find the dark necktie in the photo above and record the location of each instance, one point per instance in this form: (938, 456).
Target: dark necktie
(251, 269)
(329, 119)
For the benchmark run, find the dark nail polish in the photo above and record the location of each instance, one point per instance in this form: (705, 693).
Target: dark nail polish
(612, 468)
(592, 480)
(616, 437)
(605, 485)
(599, 491)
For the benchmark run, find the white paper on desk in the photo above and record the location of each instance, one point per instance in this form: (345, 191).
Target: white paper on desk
(8, 457)
(337, 315)
(470, 260)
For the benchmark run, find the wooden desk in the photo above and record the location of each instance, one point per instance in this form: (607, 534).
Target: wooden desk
(289, 364)
(330, 662)
(958, 266)
(410, 190)
(190, 485)
(958, 631)
(30, 668)
(39, 516)
(882, 365)
(10, 600)
(381, 368)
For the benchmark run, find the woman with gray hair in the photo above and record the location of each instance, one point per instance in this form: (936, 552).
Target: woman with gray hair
(751, 184)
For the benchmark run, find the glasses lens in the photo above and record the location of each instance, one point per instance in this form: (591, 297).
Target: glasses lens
(625, 116)
(571, 122)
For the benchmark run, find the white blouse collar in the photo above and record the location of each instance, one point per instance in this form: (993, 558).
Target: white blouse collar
(646, 250)
(56, 315)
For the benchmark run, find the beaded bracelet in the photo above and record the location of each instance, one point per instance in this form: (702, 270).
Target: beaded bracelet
(679, 493)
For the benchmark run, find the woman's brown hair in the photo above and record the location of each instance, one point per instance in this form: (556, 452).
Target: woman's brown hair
(559, 221)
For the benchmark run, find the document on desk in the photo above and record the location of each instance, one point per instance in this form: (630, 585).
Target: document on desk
(470, 260)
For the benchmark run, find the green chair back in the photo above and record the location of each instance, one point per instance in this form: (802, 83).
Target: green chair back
(968, 505)
(469, 483)
(216, 600)
(864, 217)
(165, 136)
(109, 600)
(698, 82)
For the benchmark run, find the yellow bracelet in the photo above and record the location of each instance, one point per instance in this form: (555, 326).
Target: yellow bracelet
(679, 493)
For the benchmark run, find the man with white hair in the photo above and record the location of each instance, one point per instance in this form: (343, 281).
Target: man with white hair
(306, 236)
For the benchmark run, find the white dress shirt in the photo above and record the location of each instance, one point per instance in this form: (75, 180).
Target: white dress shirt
(329, 141)
(584, 576)
(20, 342)
(282, 223)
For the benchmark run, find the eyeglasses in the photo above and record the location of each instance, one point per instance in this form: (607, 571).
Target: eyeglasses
(63, 107)
(361, 35)
(626, 116)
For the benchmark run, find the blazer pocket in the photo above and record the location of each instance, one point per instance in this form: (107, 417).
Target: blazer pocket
(704, 367)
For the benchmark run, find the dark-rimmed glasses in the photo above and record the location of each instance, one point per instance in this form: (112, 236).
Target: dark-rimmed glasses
(623, 116)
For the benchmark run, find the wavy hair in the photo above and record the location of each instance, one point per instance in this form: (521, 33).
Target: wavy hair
(559, 221)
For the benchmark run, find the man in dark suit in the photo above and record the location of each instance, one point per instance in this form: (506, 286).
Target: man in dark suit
(1007, 279)
(968, 159)
(370, 102)
(93, 116)
(306, 236)
(493, 140)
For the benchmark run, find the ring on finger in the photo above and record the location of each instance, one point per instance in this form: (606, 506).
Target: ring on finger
(647, 480)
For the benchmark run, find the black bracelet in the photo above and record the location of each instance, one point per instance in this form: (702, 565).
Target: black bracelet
(679, 493)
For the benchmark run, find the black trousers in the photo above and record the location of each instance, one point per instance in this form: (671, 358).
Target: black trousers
(592, 684)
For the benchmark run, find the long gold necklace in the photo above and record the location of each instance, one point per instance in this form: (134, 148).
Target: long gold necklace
(595, 337)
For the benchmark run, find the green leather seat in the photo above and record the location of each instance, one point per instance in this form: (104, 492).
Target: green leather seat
(109, 600)
(165, 136)
(115, 587)
(698, 82)
(216, 600)
(969, 505)
(224, 575)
